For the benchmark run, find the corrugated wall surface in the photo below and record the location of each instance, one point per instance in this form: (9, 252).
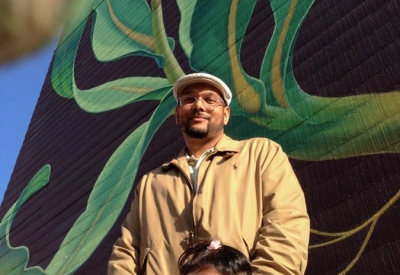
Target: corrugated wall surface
(320, 77)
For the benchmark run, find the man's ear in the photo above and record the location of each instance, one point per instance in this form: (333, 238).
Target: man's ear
(177, 115)
(227, 114)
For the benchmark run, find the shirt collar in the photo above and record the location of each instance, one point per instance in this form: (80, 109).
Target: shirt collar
(225, 146)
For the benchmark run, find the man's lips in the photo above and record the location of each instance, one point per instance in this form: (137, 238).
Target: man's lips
(198, 118)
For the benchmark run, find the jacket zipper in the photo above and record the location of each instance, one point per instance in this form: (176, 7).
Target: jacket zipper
(191, 236)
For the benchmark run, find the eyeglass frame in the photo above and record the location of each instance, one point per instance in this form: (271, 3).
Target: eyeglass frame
(205, 104)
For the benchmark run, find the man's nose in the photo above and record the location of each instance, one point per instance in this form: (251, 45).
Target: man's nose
(199, 104)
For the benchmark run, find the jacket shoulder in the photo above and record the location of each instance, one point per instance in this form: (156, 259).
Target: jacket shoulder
(263, 141)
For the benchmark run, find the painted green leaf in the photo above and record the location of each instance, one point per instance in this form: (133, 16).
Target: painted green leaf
(108, 96)
(186, 8)
(109, 195)
(14, 260)
(82, 9)
(62, 73)
(288, 17)
(113, 94)
(327, 128)
(121, 92)
(217, 37)
(123, 28)
(308, 127)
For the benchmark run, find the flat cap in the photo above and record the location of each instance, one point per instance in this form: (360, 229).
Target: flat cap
(194, 78)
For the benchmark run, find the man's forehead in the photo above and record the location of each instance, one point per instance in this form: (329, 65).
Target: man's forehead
(197, 88)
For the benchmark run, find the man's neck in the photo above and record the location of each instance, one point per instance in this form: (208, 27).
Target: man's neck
(197, 147)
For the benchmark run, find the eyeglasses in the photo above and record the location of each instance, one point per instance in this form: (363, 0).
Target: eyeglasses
(210, 102)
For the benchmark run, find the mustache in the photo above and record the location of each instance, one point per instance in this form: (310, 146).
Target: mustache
(199, 114)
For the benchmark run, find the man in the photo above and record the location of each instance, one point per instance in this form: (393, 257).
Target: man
(243, 193)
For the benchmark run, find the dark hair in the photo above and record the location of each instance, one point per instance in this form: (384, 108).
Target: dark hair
(226, 260)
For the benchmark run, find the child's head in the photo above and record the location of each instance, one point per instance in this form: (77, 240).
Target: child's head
(213, 258)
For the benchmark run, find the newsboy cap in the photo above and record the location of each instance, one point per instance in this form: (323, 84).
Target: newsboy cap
(194, 78)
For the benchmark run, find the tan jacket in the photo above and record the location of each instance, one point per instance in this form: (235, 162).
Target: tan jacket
(248, 197)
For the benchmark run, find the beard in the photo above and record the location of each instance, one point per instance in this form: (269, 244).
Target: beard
(207, 130)
(196, 133)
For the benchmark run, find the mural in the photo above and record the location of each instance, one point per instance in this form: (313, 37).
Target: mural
(319, 77)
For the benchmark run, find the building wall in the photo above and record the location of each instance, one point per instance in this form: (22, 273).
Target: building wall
(319, 77)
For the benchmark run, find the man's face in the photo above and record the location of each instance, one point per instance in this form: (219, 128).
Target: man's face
(195, 120)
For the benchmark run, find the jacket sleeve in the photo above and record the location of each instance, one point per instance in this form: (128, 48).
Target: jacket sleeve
(282, 245)
(125, 256)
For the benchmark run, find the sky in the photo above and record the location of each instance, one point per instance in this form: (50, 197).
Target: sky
(20, 84)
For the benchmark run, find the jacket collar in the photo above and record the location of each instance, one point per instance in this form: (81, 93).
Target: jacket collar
(226, 147)
(226, 144)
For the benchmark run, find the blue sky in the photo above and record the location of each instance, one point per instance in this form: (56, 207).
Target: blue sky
(20, 84)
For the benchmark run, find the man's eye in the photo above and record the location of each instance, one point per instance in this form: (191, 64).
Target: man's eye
(210, 100)
(188, 100)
